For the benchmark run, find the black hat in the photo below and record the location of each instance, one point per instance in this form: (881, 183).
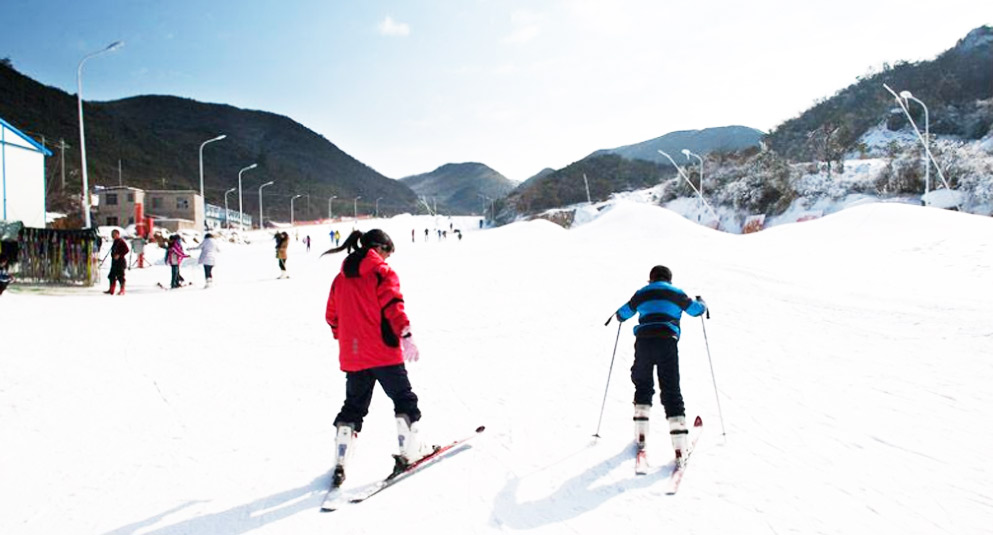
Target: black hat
(660, 273)
(377, 238)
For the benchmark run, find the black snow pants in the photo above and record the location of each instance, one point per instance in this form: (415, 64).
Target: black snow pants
(117, 268)
(649, 353)
(358, 394)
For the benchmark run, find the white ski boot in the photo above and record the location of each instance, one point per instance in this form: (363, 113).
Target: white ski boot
(679, 434)
(641, 415)
(411, 447)
(343, 445)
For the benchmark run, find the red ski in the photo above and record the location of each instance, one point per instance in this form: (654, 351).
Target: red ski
(332, 501)
(677, 474)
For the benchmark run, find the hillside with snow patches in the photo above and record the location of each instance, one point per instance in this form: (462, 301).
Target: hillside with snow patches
(852, 355)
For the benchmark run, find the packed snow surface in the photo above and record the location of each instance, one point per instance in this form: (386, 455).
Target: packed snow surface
(853, 356)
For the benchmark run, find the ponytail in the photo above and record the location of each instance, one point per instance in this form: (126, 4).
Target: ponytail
(351, 243)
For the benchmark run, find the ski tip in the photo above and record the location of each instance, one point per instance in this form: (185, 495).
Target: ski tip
(481, 428)
(698, 422)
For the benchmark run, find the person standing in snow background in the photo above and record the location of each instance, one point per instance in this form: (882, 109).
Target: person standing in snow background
(208, 258)
(174, 257)
(118, 262)
(282, 243)
(659, 306)
(366, 313)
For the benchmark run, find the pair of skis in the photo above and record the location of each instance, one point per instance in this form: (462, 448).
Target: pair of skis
(679, 468)
(335, 498)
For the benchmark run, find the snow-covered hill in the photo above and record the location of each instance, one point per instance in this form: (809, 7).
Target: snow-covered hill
(852, 355)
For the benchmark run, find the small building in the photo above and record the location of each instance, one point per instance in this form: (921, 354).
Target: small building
(22, 177)
(166, 206)
(116, 205)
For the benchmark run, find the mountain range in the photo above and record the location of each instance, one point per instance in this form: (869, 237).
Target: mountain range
(460, 188)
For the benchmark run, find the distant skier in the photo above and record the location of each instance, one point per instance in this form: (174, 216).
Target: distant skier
(174, 257)
(118, 262)
(366, 313)
(208, 257)
(306, 241)
(282, 244)
(659, 306)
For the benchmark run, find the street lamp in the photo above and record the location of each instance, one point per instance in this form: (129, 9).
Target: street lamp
(689, 154)
(906, 95)
(377, 205)
(218, 138)
(261, 220)
(82, 135)
(227, 213)
(901, 100)
(295, 197)
(240, 211)
(687, 179)
(355, 205)
(330, 213)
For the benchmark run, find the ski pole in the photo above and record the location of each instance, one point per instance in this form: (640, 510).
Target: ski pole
(609, 371)
(706, 343)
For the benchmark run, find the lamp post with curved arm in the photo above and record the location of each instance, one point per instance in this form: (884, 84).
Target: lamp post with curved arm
(218, 138)
(227, 213)
(355, 206)
(82, 133)
(689, 154)
(688, 181)
(295, 197)
(377, 205)
(261, 220)
(906, 95)
(241, 213)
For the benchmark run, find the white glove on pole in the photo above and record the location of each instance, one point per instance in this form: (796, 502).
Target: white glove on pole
(410, 353)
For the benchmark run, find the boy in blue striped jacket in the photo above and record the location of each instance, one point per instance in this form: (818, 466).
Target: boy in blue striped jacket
(659, 306)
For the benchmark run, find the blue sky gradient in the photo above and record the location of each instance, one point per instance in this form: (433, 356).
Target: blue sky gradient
(407, 86)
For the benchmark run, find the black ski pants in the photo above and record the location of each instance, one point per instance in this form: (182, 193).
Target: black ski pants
(661, 353)
(358, 394)
(117, 268)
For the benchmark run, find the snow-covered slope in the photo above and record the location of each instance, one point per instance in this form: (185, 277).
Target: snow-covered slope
(852, 356)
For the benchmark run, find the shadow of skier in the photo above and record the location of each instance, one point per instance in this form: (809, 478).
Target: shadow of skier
(240, 519)
(573, 498)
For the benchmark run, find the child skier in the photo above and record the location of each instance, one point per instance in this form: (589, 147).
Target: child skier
(366, 313)
(659, 306)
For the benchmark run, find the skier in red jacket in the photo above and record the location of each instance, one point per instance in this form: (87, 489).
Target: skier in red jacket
(366, 313)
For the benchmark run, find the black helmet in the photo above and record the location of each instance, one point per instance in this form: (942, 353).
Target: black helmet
(660, 273)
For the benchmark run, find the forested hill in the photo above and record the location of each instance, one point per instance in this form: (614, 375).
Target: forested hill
(157, 140)
(956, 87)
(461, 188)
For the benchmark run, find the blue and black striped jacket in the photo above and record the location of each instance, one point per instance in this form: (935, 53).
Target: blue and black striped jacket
(659, 306)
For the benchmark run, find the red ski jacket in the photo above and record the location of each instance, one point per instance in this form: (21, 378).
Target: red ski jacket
(366, 314)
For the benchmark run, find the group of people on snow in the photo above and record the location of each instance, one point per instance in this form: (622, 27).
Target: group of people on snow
(367, 316)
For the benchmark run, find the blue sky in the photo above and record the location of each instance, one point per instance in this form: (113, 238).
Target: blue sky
(406, 86)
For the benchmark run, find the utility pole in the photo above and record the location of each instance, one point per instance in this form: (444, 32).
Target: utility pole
(120, 175)
(62, 163)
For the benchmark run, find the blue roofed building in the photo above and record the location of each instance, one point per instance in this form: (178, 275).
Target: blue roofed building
(22, 177)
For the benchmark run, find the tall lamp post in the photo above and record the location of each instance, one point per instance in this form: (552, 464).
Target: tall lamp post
(377, 205)
(688, 181)
(82, 135)
(261, 220)
(689, 155)
(218, 138)
(906, 95)
(227, 213)
(241, 213)
(901, 100)
(355, 206)
(330, 213)
(295, 197)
